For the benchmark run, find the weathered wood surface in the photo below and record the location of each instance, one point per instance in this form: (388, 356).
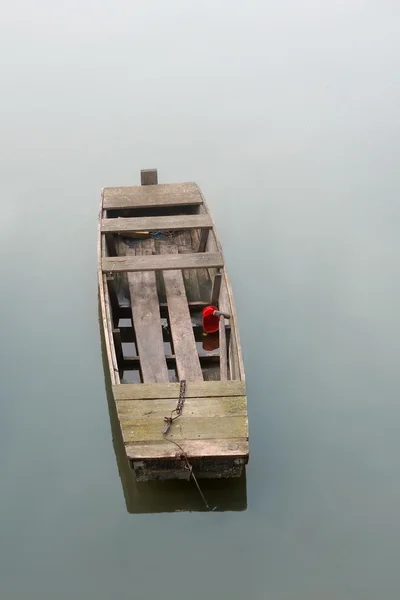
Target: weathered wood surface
(236, 448)
(166, 194)
(112, 292)
(128, 334)
(194, 389)
(118, 346)
(162, 262)
(223, 350)
(147, 324)
(214, 420)
(216, 287)
(184, 344)
(203, 275)
(194, 307)
(125, 225)
(185, 428)
(203, 240)
(234, 406)
(105, 309)
(146, 320)
(226, 304)
(149, 177)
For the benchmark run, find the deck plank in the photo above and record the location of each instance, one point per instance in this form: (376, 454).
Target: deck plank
(203, 275)
(185, 245)
(146, 320)
(234, 447)
(185, 428)
(234, 406)
(184, 344)
(175, 222)
(162, 262)
(166, 194)
(194, 389)
(147, 324)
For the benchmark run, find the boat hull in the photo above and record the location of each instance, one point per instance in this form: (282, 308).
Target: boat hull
(160, 263)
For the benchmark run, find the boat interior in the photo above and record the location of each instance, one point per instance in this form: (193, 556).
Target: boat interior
(157, 314)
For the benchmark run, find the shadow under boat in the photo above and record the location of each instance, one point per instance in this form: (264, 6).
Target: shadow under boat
(169, 496)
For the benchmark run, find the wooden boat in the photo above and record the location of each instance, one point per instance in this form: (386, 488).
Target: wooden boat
(179, 393)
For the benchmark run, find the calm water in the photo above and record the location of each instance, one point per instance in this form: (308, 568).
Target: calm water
(287, 115)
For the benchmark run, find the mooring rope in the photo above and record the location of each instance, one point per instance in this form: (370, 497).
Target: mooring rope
(168, 422)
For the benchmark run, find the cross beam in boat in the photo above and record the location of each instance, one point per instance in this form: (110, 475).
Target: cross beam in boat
(165, 194)
(194, 389)
(165, 223)
(162, 262)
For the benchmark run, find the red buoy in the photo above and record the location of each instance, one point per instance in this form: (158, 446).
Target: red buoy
(210, 321)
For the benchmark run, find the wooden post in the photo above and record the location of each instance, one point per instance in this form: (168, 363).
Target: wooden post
(203, 240)
(218, 313)
(216, 286)
(113, 299)
(149, 177)
(118, 347)
(223, 352)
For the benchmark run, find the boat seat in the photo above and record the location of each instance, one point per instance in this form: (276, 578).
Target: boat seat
(157, 262)
(151, 196)
(129, 225)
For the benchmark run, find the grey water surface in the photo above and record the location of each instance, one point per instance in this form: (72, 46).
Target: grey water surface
(287, 115)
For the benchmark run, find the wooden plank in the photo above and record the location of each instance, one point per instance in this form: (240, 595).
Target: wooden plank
(118, 346)
(180, 323)
(223, 365)
(203, 240)
(148, 177)
(132, 362)
(194, 389)
(203, 277)
(166, 223)
(235, 406)
(226, 304)
(147, 324)
(166, 194)
(128, 334)
(184, 245)
(186, 428)
(162, 262)
(235, 448)
(105, 306)
(195, 306)
(216, 287)
(112, 292)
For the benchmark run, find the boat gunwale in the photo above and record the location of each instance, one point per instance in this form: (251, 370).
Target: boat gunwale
(105, 314)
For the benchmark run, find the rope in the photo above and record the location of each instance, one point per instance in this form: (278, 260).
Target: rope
(168, 422)
(190, 468)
